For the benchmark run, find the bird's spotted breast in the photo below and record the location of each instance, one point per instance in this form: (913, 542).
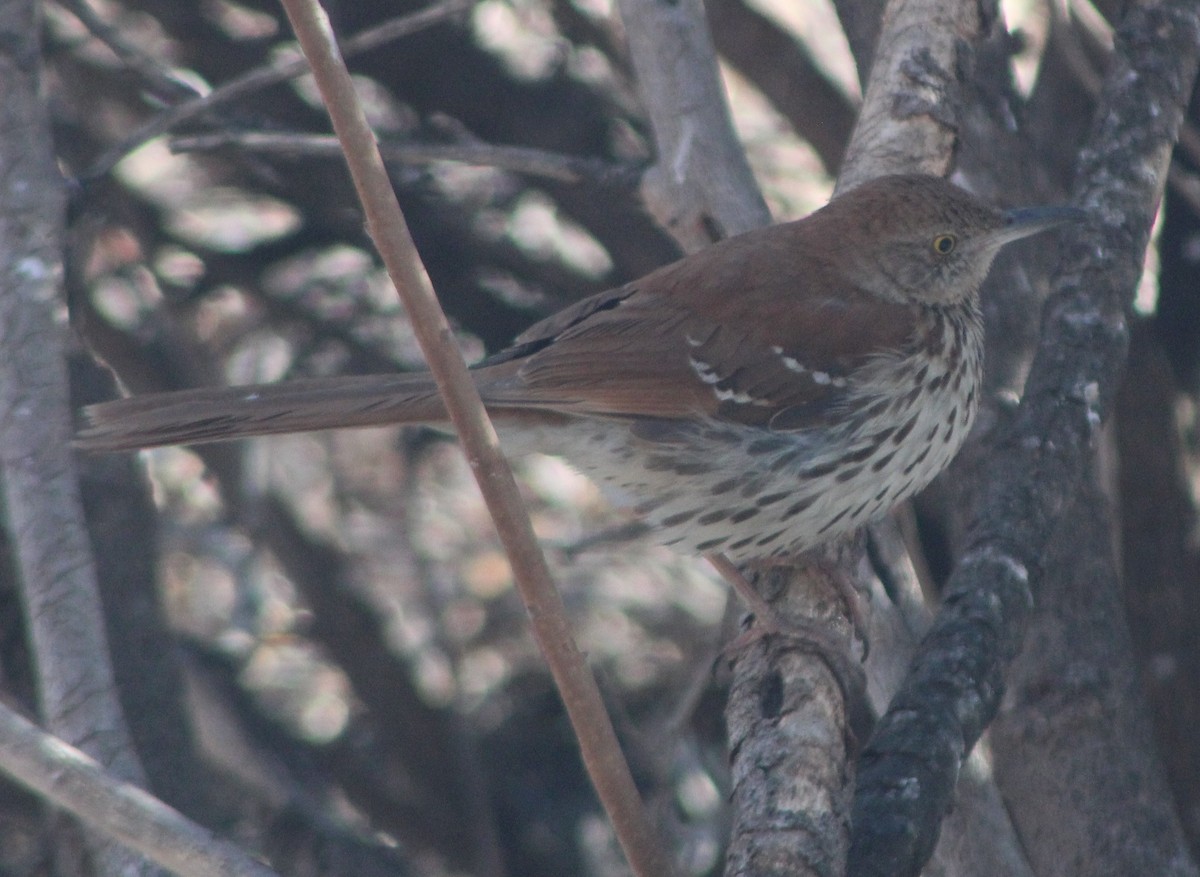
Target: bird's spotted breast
(749, 493)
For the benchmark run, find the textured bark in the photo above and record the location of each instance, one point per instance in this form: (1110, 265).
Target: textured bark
(44, 514)
(701, 186)
(908, 122)
(1075, 754)
(1030, 482)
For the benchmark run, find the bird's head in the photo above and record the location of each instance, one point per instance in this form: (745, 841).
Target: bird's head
(914, 238)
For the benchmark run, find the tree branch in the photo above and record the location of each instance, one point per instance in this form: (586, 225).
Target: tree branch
(44, 513)
(264, 77)
(518, 159)
(780, 67)
(71, 780)
(908, 122)
(955, 684)
(701, 187)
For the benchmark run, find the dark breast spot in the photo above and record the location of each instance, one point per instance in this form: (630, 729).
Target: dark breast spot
(743, 515)
(751, 488)
(935, 338)
(862, 454)
(848, 473)
(819, 471)
(834, 520)
(917, 462)
(784, 460)
(882, 461)
(724, 486)
(679, 518)
(771, 498)
(766, 446)
(876, 408)
(796, 508)
(768, 539)
(647, 506)
(902, 432)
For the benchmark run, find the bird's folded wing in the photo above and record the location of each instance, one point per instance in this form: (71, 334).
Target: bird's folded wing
(637, 353)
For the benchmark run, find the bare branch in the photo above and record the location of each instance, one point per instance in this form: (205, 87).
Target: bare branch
(701, 187)
(861, 20)
(908, 121)
(71, 780)
(264, 77)
(780, 66)
(956, 680)
(790, 803)
(518, 159)
(44, 513)
(158, 74)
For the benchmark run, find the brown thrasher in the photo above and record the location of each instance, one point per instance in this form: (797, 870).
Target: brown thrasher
(757, 398)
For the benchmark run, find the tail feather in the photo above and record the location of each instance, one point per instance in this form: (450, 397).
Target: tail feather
(222, 413)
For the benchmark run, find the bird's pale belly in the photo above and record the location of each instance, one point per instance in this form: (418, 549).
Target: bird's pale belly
(751, 493)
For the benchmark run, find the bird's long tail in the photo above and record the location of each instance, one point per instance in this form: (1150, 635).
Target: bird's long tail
(221, 413)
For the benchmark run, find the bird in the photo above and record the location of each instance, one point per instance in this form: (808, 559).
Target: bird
(753, 400)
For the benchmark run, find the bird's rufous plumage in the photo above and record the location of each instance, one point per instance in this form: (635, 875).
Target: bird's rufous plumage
(756, 397)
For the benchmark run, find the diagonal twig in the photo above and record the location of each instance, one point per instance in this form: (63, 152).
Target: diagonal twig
(518, 159)
(585, 708)
(268, 75)
(75, 782)
(154, 71)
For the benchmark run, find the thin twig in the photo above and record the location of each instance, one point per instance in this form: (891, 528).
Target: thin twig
(268, 75)
(70, 779)
(518, 159)
(598, 742)
(154, 71)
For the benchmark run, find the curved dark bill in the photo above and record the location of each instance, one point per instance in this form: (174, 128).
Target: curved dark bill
(1029, 220)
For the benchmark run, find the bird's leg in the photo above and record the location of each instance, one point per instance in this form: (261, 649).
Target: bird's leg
(810, 635)
(843, 583)
(769, 619)
(766, 618)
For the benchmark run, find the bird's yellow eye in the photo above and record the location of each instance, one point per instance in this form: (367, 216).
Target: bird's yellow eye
(944, 244)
